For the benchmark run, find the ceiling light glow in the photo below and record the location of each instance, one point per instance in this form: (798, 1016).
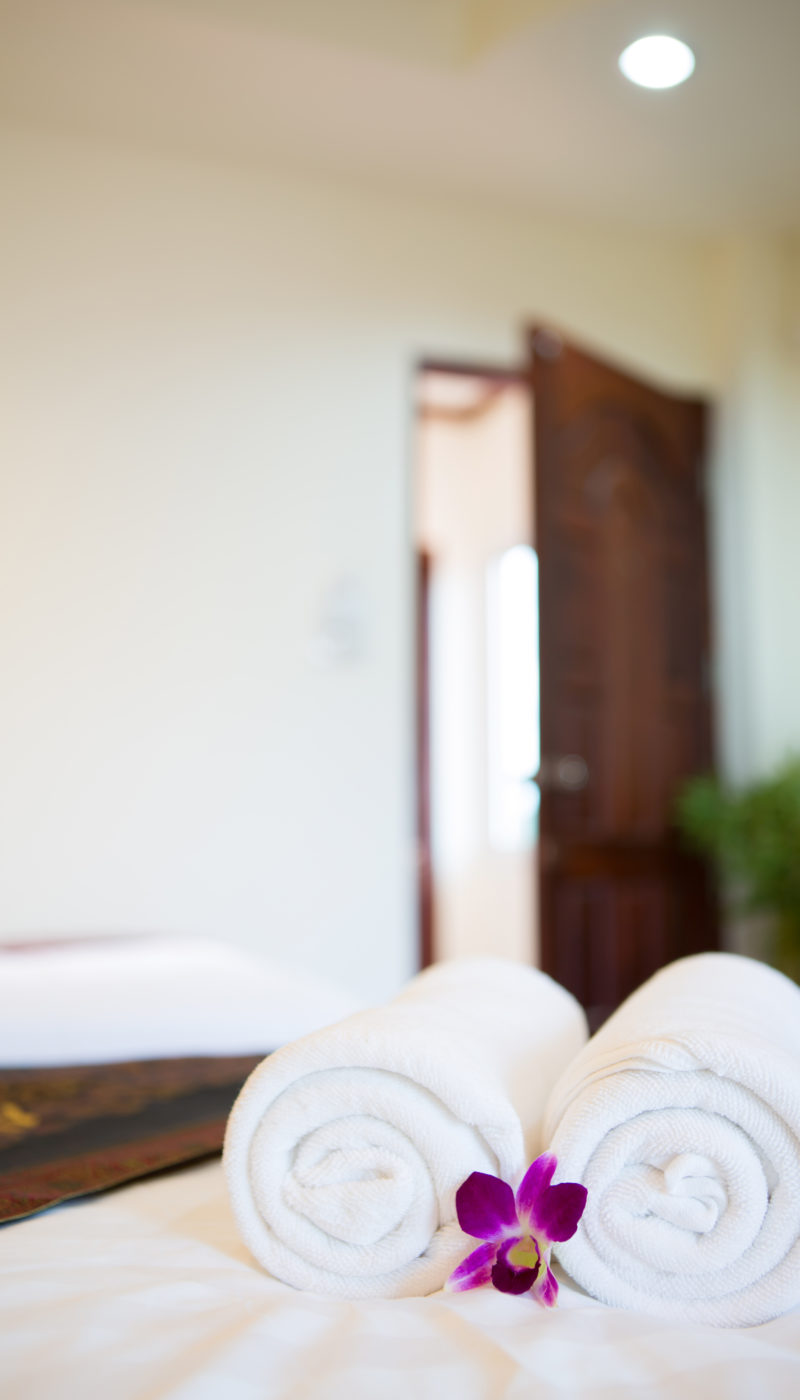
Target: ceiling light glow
(657, 61)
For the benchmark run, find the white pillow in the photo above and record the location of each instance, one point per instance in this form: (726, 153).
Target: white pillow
(96, 1000)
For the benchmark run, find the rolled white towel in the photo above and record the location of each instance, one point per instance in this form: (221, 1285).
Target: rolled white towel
(682, 1118)
(345, 1149)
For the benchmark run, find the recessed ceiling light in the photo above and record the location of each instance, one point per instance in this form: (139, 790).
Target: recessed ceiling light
(657, 61)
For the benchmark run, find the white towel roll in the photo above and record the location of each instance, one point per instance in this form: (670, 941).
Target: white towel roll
(682, 1118)
(345, 1149)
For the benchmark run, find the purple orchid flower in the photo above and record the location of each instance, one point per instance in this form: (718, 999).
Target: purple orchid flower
(519, 1232)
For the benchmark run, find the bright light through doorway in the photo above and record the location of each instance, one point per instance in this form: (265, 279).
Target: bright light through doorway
(512, 628)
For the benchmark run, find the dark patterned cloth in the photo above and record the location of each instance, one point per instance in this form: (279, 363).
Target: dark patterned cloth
(68, 1131)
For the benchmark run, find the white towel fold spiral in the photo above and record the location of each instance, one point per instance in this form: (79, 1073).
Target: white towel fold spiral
(682, 1118)
(345, 1149)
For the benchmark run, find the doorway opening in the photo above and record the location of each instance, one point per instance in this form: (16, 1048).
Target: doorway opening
(605, 703)
(478, 679)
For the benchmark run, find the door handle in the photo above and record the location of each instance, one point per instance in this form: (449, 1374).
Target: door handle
(566, 772)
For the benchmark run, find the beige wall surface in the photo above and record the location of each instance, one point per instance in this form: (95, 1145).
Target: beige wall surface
(755, 504)
(206, 422)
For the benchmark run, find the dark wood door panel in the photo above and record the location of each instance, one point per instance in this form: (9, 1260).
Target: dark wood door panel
(609, 932)
(624, 668)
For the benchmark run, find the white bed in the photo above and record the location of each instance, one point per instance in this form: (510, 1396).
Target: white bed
(147, 1292)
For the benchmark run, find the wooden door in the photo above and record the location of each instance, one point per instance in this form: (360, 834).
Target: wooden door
(624, 655)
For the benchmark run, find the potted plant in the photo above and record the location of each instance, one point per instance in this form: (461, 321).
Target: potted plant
(753, 836)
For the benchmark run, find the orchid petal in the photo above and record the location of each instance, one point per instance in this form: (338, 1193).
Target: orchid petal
(485, 1207)
(473, 1271)
(546, 1289)
(536, 1180)
(508, 1279)
(557, 1211)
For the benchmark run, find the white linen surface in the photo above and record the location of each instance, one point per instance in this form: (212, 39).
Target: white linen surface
(682, 1118)
(147, 1293)
(345, 1149)
(98, 1000)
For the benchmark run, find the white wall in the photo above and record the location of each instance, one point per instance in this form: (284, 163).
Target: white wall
(206, 417)
(755, 505)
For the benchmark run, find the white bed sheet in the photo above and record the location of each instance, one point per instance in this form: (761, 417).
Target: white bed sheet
(92, 1001)
(147, 1292)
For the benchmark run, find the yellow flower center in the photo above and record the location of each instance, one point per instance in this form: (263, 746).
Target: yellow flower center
(524, 1254)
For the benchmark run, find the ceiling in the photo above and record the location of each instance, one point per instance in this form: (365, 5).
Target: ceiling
(518, 102)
